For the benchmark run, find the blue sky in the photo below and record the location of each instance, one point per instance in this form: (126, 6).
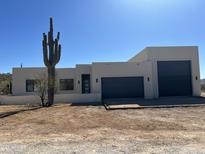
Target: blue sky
(97, 30)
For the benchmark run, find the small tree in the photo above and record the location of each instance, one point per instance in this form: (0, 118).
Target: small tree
(41, 86)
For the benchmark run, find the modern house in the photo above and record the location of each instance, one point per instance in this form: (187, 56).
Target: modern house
(154, 72)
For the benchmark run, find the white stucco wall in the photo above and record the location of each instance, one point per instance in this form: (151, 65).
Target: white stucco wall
(82, 69)
(122, 69)
(66, 73)
(20, 75)
(141, 56)
(59, 98)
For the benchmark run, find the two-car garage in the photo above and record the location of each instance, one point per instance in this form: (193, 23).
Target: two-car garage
(154, 72)
(174, 79)
(122, 87)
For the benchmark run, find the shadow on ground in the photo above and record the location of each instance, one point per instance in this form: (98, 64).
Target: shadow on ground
(87, 104)
(7, 114)
(160, 102)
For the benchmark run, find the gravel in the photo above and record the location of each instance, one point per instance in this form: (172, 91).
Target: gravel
(91, 129)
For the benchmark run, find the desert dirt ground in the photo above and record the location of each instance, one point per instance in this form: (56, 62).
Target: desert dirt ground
(64, 128)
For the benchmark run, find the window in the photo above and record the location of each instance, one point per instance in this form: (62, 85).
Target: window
(66, 84)
(31, 86)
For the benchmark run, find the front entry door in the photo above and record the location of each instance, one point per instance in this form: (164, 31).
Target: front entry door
(85, 83)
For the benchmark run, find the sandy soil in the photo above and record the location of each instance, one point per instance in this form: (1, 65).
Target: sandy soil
(92, 129)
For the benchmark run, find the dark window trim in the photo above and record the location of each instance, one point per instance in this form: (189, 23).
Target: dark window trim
(86, 77)
(31, 84)
(34, 85)
(72, 86)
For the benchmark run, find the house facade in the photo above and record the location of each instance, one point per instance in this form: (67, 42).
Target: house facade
(154, 72)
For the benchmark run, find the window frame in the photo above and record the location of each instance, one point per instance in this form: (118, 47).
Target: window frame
(30, 82)
(34, 88)
(64, 80)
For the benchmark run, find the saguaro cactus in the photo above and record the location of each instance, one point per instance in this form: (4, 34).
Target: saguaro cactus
(54, 48)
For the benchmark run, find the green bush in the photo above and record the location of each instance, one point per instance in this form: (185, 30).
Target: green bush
(5, 83)
(203, 88)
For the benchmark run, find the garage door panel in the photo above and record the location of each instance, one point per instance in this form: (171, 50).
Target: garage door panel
(174, 78)
(173, 68)
(122, 87)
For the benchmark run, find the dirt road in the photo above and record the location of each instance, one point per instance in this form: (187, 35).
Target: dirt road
(92, 129)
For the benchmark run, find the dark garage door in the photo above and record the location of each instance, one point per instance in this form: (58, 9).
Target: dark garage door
(122, 87)
(174, 78)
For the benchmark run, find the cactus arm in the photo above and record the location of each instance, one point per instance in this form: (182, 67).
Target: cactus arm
(57, 53)
(58, 36)
(59, 50)
(45, 50)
